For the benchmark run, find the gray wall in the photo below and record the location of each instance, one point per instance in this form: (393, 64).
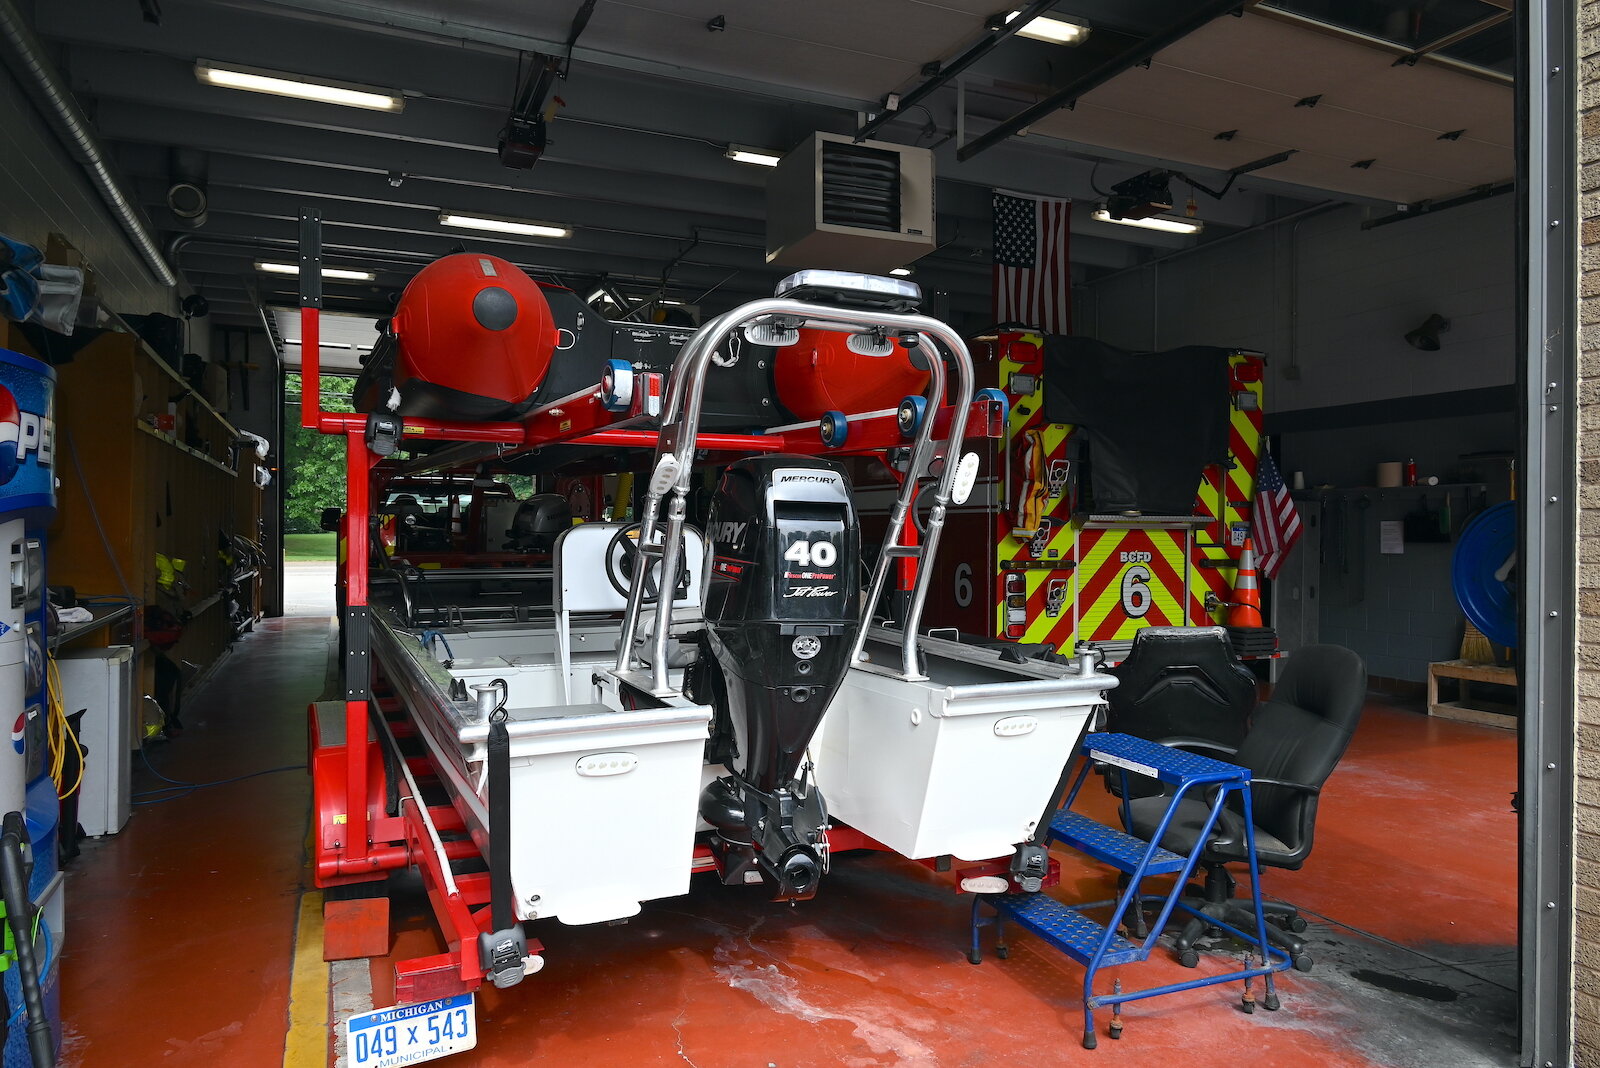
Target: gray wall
(43, 190)
(1323, 295)
(1329, 303)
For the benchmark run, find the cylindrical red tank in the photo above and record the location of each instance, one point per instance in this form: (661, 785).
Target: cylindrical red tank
(819, 374)
(475, 339)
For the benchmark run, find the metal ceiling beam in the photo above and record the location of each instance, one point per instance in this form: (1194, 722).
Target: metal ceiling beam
(1205, 12)
(436, 69)
(131, 90)
(996, 35)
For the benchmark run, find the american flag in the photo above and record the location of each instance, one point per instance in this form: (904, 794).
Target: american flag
(1277, 523)
(1032, 284)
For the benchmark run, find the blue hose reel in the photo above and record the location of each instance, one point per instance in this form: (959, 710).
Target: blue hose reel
(1483, 573)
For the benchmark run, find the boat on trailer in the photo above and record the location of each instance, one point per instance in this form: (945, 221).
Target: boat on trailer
(567, 736)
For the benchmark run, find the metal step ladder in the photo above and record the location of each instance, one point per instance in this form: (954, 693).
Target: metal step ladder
(1098, 945)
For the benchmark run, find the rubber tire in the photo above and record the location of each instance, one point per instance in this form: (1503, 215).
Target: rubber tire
(1303, 963)
(1189, 958)
(1294, 924)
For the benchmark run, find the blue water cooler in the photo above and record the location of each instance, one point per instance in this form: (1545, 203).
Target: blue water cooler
(27, 505)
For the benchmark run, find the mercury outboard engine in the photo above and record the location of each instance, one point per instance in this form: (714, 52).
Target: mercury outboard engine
(539, 521)
(781, 611)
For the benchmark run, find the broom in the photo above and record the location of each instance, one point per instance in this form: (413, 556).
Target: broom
(1475, 648)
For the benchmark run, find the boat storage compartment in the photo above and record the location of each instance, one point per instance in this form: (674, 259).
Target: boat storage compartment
(604, 805)
(961, 763)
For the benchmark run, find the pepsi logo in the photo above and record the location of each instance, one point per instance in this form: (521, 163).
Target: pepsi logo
(19, 733)
(21, 433)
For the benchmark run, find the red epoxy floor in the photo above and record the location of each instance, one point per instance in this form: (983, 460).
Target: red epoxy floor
(181, 928)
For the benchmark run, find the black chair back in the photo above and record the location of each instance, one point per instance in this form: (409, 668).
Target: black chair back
(1299, 735)
(1182, 682)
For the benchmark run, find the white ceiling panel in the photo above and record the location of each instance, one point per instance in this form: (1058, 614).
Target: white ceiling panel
(1248, 74)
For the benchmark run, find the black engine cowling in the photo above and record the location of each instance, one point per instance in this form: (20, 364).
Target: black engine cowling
(782, 611)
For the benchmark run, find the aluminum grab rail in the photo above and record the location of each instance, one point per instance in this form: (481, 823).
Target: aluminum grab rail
(680, 425)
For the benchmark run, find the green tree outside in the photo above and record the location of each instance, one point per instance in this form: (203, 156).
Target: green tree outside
(313, 462)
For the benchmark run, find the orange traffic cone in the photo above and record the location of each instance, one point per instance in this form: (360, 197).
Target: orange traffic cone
(1246, 610)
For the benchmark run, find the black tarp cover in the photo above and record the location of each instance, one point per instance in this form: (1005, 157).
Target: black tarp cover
(1153, 420)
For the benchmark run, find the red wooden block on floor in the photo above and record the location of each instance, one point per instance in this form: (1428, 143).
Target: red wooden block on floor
(352, 930)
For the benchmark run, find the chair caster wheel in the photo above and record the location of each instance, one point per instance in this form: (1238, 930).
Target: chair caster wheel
(1189, 958)
(1271, 1002)
(1248, 1005)
(1116, 1030)
(1303, 962)
(1089, 1041)
(1002, 952)
(1292, 924)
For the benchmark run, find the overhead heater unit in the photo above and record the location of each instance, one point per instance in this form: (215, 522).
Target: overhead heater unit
(868, 207)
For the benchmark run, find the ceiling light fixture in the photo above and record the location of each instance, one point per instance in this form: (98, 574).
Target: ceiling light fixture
(277, 83)
(1055, 31)
(501, 225)
(761, 157)
(901, 272)
(1168, 224)
(327, 272)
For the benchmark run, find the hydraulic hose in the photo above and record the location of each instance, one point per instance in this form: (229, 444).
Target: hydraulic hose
(14, 889)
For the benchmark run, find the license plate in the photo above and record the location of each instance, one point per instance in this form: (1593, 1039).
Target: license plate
(411, 1034)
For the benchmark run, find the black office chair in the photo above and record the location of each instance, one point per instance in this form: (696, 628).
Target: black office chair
(1177, 685)
(1296, 738)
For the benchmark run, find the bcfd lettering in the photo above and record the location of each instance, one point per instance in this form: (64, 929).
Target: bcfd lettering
(1135, 557)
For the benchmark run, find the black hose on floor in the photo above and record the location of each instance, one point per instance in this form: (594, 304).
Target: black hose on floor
(14, 889)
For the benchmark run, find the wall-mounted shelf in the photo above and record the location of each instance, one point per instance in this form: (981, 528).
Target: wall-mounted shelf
(1330, 491)
(162, 435)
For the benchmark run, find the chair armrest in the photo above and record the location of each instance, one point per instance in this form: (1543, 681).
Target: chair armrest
(1299, 786)
(1199, 743)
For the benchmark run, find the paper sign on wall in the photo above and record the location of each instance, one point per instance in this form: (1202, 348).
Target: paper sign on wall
(1392, 537)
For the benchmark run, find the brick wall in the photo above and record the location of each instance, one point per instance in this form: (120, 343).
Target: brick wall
(1586, 929)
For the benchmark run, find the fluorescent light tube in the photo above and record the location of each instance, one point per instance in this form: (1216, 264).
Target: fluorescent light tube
(278, 83)
(1169, 224)
(327, 272)
(502, 225)
(1055, 31)
(761, 157)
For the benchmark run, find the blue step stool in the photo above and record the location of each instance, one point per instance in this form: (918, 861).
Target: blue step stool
(1098, 945)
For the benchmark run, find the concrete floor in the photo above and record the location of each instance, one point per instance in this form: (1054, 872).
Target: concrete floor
(182, 931)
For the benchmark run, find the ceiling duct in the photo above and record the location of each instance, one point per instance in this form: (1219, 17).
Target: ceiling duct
(55, 102)
(861, 207)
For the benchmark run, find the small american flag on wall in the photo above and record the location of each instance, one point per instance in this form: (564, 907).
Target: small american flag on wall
(1032, 282)
(1277, 523)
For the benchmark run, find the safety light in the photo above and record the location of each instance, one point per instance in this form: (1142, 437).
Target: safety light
(901, 272)
(277, 83)
(503, 225)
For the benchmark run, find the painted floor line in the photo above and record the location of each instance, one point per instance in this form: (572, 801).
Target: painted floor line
(305, 1044)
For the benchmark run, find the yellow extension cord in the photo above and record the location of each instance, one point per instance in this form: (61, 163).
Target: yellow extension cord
(60, 733)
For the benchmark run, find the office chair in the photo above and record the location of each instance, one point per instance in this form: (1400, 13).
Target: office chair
(1296, 738)
(1179, 684)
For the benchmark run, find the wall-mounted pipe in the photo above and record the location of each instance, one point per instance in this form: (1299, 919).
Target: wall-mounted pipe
(26, 60)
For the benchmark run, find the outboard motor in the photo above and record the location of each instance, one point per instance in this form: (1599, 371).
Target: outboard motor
(539, 521)
(782, 610)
